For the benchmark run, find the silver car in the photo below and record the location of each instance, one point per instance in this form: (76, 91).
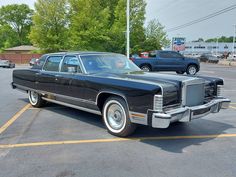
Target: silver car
(6, 64)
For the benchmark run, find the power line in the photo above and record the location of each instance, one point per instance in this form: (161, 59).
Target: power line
(203, 18)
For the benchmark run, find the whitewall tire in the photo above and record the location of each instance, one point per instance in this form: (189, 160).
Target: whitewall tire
(116, 117)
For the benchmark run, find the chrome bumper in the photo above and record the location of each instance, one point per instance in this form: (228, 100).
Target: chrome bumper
(186, 114)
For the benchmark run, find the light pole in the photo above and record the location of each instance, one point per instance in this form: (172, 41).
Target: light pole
(217, 45)
(234, 39)
(128, 28)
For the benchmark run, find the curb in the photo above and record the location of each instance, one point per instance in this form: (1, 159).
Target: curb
(227, 63)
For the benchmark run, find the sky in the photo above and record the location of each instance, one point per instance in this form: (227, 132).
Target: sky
(172, 13)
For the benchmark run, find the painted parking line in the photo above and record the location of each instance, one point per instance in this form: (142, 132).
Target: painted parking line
(14, 118)
(233, 107)
(50, 143)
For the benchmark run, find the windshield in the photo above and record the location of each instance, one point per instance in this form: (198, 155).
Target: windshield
(113, 63)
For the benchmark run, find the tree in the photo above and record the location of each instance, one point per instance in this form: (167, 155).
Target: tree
(50, 25)
(156, 37)
(199, 40)
(221, 39)
(7, 37)
(18, 17)
(89, 27)
(137, 30)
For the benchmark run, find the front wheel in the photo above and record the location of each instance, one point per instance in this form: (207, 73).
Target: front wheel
(35, 99)
(116, 117)
(192, 70)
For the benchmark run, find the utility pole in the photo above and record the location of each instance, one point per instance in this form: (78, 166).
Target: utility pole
(128, 28)
(217, 45)
(233, 51)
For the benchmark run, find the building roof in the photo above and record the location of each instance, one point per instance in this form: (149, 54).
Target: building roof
(22, 48)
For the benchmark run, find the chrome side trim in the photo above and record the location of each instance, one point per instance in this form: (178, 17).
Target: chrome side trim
(72, 106)
(57, 95)
(71, 98)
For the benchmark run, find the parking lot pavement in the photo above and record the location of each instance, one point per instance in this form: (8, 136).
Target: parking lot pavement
(60, 141)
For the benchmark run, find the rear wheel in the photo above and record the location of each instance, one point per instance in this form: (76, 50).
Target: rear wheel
(146, 68)
(35, 99)
(116, 117)
(192, 69)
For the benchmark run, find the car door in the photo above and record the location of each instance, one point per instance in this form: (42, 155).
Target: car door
(170, 61)
(70, 81)
(179, 61)
(46, 78)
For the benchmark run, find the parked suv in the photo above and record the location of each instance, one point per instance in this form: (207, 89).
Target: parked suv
(168, 61)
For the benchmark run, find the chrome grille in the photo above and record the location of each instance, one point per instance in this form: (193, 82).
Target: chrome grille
(195, 95)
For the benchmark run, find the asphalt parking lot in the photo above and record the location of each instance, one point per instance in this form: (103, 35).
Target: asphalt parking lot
(57, 141)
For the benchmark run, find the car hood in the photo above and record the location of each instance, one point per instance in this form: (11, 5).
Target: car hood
(150, 78)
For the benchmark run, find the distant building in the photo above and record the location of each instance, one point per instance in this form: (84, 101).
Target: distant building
(205, 47)
(23, 49)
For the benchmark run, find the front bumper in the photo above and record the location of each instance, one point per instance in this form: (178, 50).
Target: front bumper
(186, 114)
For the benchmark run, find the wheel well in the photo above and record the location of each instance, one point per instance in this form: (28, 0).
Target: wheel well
(146, 64)
(194, 65)
(103, 97)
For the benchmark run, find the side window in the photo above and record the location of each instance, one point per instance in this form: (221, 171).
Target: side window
(39, 64)
(165, 55)
(71, 65)
(52, 63)
(176, 55)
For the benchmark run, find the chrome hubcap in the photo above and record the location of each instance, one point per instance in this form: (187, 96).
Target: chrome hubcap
(145, 69)
(192, 70)
(33, 97)
(115, 116)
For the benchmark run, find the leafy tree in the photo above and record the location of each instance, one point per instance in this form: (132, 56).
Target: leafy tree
(137, 31)
(89, 27)
(50, 25)
(7, 37)
(199, 40)
(18, 17)
(221, 39)
(156, 37)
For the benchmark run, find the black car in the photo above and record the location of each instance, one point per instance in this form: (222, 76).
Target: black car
(110, 85)
(209, 58)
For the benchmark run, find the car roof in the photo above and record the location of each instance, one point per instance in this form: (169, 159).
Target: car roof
(80, 53)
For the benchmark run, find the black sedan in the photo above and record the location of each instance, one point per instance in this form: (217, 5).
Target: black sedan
(110, 85)
(209, 58)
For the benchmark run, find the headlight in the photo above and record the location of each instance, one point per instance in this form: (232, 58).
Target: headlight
(158, 103)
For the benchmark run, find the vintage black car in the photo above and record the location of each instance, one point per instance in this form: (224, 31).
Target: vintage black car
(110, 85)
